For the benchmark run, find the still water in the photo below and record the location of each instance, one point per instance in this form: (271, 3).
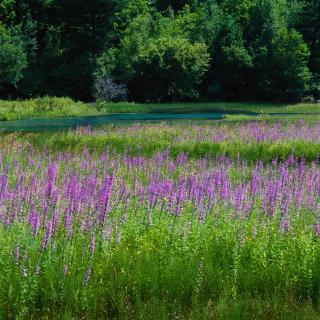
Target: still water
(54, 124)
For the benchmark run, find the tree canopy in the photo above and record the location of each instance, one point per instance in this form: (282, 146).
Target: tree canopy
(161, 50)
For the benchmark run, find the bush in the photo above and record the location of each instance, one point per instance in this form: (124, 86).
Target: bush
(107, 90)
(308, 99)
(314, 89)
(169, 69)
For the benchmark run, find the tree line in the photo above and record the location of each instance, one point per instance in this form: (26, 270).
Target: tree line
(161, 50)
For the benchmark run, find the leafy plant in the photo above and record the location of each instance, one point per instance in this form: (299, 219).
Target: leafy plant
(105, 89)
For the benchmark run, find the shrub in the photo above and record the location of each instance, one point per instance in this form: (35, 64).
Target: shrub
(107, 90)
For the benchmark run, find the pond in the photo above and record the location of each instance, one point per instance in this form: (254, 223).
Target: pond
(54, 124)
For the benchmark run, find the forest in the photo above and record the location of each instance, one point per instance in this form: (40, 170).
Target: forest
(160, 50)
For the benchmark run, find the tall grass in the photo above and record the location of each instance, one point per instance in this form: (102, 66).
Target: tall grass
(53, 107)
(251, 141)
(241, 107)
(50, 107)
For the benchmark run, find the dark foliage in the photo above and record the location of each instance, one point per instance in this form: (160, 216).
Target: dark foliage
(161, 50)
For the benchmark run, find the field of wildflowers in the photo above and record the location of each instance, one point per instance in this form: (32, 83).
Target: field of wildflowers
(88, 232)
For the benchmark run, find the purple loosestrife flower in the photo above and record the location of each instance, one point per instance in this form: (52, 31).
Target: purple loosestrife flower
(285, 204)
(298, 197)
(17, 255)
(286, 225)
(13, 216)
(201, 214)
(34, 220)
(55, 196)
(105, 197)
(67, 220)
(153, 194)
(238, 198)
(191, 183)
(87, 276)
(92, 244)
(254, 182)
(171, 167)
(52, 172)
(45, 209)
(181, 194)
(47, 235)
(217, 179)
(65, 270)
(225, 189)
(182, 159)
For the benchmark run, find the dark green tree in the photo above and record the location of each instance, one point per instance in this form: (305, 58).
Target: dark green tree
(13, 59)
(156, 63)
(7, 11)
(279, 69)
(307, 22)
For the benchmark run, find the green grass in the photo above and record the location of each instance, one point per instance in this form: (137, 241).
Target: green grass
(213, 106)
(265, 151)
(65, 107)
(156, 272)
(44, 107)
(149, 139)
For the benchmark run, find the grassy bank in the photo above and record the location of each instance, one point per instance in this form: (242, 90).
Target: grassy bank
(243, 107)
(43, 107)
(253, 151)
(251, 141)
(65, 107)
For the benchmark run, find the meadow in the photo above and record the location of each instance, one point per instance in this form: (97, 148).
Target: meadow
(196, 192)
(132, 221)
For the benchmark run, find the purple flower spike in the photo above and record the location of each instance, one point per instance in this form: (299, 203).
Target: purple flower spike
(65, 270)
(17, 255)
(286, 225)
(92, 244)
(52, 172)
(316, 230)
(34, 220)
(87, 276)
(47, 235)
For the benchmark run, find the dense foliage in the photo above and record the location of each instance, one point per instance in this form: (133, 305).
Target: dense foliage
(161, 50)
